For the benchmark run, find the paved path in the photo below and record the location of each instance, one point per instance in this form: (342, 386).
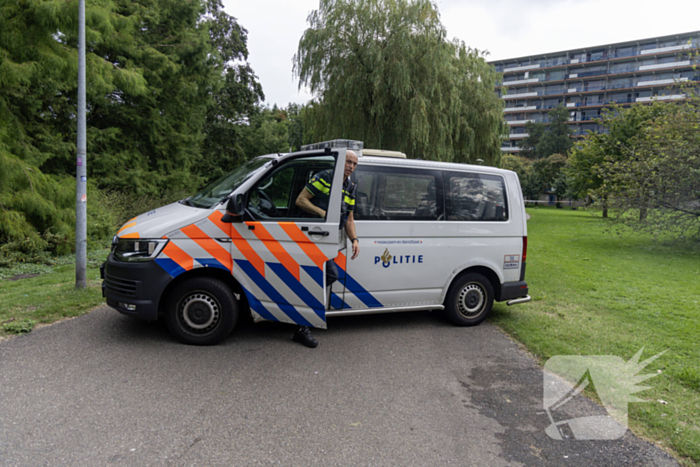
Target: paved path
(402, 389)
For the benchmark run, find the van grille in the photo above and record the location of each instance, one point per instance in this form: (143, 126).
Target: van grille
(123, 287)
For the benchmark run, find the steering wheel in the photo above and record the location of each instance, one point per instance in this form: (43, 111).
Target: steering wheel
(267, 207)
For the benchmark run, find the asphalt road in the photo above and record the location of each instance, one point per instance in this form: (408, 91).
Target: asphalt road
(401, 389)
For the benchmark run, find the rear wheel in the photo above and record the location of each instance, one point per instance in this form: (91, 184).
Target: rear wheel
(202, 311)
(469, 300)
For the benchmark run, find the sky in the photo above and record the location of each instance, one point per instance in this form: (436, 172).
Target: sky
(504, 28)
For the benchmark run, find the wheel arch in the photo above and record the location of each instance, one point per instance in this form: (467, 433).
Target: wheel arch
(486, 271)
(214, 273)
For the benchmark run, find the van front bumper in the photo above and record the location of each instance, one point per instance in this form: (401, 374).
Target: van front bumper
(134, 289)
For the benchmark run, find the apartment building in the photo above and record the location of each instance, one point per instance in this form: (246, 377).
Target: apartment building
(587, 80)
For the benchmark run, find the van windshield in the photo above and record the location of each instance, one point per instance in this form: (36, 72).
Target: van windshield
(220, 189)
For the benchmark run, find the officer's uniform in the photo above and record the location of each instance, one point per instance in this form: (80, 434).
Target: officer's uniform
(320, 187)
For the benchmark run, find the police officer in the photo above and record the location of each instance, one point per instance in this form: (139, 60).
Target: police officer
(314, 200)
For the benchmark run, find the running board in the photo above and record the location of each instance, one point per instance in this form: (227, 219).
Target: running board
(377, 310)
(525, 299)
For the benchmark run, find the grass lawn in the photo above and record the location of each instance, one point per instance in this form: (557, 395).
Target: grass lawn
(597, 293)
(51, 295)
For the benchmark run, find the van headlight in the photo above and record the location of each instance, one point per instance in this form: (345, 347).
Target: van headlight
(139, 249)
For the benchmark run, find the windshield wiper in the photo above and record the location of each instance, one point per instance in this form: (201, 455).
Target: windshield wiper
(186, 202)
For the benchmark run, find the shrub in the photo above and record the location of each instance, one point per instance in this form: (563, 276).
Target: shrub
(19, 327)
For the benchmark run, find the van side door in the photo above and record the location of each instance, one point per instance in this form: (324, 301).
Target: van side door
(397, 215)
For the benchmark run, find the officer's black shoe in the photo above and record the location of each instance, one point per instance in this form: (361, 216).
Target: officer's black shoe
(303, 336)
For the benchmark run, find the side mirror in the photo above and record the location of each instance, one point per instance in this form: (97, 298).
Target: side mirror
(234, 209)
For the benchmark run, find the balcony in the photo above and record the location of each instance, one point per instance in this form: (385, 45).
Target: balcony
(510, 149)
(624, 100)
(520, 109)
(587, 89)
(627, 84)
(521, 68)
(519, 122)
(668, 97)
(614, 55)
(520, 81)
(666, 49)
(587, 73)
(603, 74)
(631, 53)
(664, 65)
(553, 92)
(520, 96)
(660, 82)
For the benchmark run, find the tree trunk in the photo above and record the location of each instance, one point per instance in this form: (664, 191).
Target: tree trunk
(605, 207)
(642, 214)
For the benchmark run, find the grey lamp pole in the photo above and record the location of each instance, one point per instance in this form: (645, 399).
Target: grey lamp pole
(81, 177)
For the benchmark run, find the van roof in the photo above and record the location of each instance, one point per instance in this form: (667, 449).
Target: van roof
(400, 162)
(429, 164)
(383, 153)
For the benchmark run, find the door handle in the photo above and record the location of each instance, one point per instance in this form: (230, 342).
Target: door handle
(322, 233)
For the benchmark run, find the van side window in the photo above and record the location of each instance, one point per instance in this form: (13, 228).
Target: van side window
(475, 197)
(397, 194)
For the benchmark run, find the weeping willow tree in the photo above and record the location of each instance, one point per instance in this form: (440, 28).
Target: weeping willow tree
(382, 71)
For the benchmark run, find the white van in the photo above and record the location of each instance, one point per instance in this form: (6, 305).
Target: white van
(433, 236)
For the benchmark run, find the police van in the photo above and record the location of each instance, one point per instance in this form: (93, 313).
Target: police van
(433, 236)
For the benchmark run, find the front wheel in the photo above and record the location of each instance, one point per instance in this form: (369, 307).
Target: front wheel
(201, 311)
(469, 300)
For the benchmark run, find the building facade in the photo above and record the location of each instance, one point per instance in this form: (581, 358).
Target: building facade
(587, 80)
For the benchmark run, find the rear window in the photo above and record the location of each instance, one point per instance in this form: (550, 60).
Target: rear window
(475, 197)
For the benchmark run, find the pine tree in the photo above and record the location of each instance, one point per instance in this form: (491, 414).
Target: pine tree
(155, 70)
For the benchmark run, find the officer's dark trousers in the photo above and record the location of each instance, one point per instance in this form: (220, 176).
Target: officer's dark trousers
(331, 272)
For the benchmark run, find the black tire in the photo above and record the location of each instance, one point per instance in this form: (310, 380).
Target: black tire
(469, 300)
(201, 311)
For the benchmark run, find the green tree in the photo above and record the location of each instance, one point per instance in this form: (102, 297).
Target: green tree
(548, 171)
(266, 133)
(535, 132)
(538, 176)
(235, 100)
(657, 171)
(150, 141)
(297, 117)
(622, 125)
(38, 70)
(529, 180)
(155, 69)
(383, 72)
(560, 185)
(543, 140)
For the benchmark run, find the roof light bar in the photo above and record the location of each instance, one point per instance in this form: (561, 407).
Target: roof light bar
(335, 143)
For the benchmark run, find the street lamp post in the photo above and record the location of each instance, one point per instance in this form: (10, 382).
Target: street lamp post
(81, 173)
